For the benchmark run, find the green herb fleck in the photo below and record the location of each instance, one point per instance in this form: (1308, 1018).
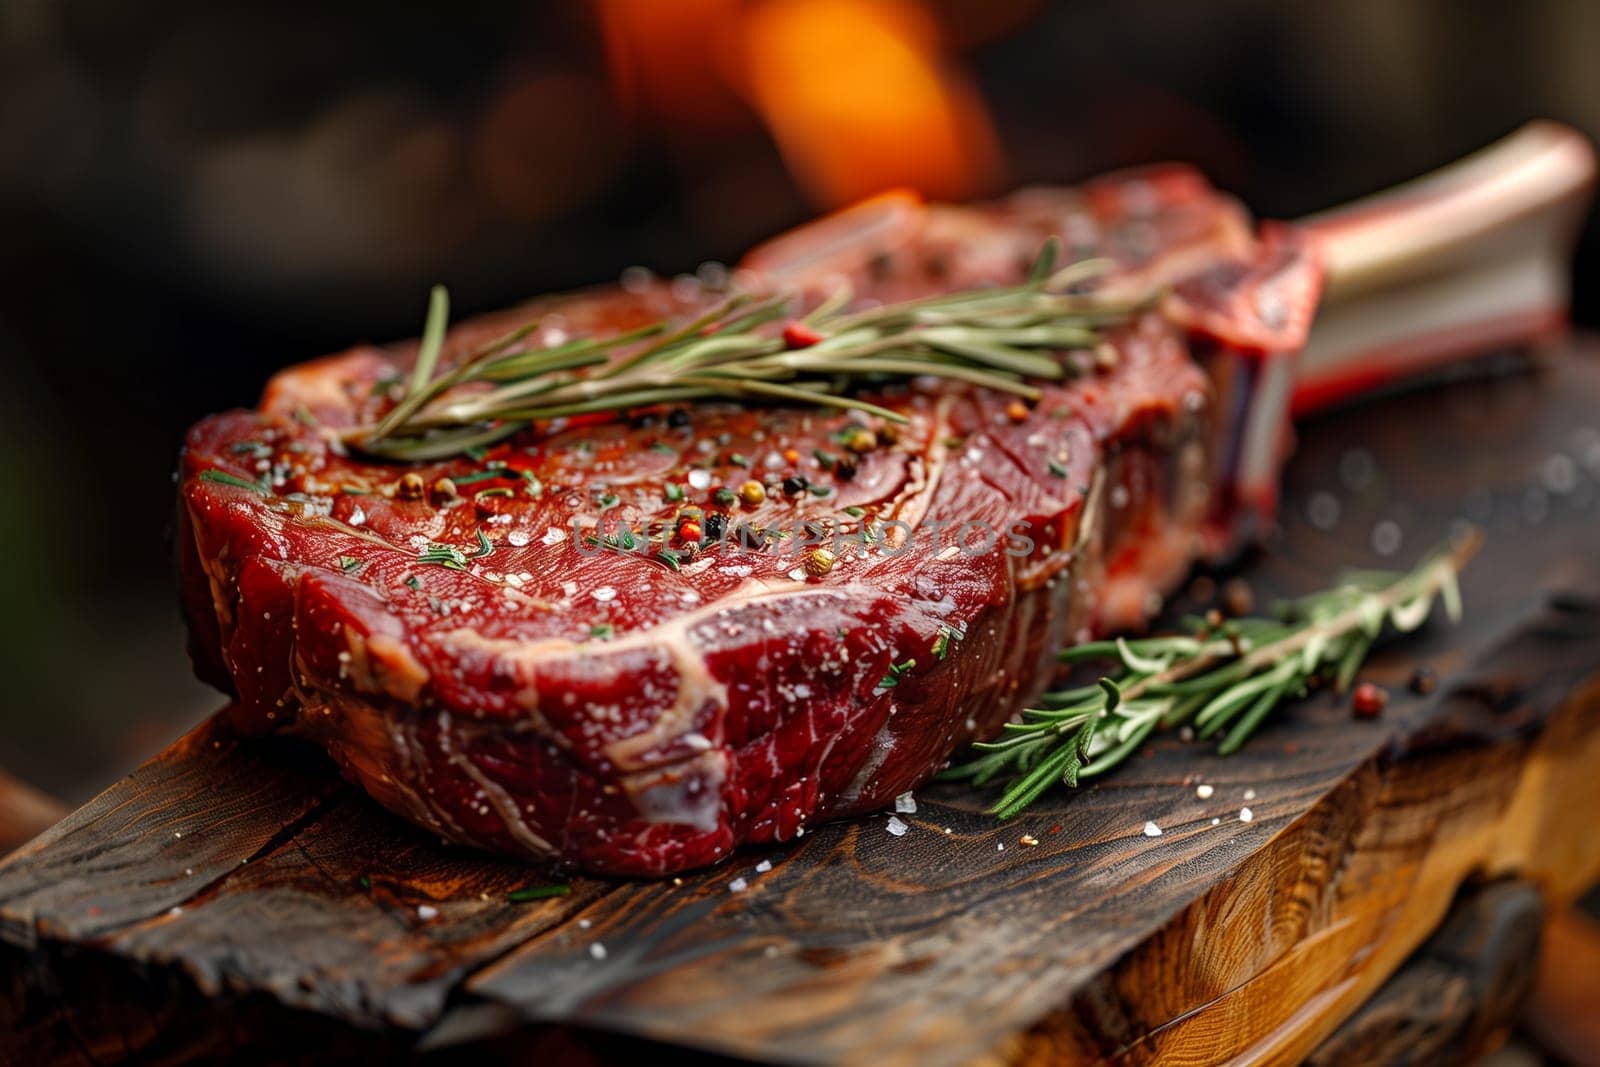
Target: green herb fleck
(897, 671)
(663, 448)
(443, 556)
(350, 564)
(672, 491)
(1058, 468)
(413, 581)
(855, 512)
(941, 643)
(484, 547)
(480, 476)
(824, 457)
(602, 631)
(537, 892)
(725, 497)
(224, 478)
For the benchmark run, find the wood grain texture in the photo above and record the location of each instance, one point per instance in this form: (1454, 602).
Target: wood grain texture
(291, 914)
(1459, 994)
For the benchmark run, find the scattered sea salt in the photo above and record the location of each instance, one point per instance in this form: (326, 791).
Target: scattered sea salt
(738, 885)
(700, 478)
(1249, 794)
(597, 950)
(584, 924)
(905, 804)
(518, 538)
(1216, 822)
(764, 866)
(427, 911)
(569, 588)
(896, 826)
(553, 536)
(357, 517)
(1203, 791)
(1152, 830)
(1245, 814)
(999, 848)
(605, 594)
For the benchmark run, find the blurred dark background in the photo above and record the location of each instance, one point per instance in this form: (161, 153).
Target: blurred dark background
(193, 194)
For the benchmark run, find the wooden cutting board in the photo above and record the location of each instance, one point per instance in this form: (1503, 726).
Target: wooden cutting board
(235, 898)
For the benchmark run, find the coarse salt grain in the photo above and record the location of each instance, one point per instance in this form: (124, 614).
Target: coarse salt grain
(905, 804)
(1245, 814)
(896, 826)
(700, 478)
(1203, 791)
(597, 950)
(426, 911)
(1249, 794)
(1152, 830)
(764, 866)
(518, 538)
(605, 594)
(738, 885)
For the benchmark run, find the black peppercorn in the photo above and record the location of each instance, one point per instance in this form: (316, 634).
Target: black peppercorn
(845, 469)
(677, 418)
(715, 526)
(795, 484)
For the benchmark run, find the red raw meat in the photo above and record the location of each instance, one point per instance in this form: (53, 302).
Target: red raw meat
(532, 697)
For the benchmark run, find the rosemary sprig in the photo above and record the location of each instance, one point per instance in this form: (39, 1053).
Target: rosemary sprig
(1224, 680)
(999, 338)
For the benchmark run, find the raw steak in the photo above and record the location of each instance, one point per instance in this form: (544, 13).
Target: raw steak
(524, 690)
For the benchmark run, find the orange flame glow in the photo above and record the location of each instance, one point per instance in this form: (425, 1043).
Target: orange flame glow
(858, 94)
(859, 99)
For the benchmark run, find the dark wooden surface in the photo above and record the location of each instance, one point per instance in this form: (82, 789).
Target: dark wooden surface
(217, 901)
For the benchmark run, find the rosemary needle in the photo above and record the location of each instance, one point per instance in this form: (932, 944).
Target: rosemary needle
(1223, 682)
(1001, 338)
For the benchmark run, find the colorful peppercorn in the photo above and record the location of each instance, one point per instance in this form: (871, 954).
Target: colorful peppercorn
(409, 487)
(797, 334)
(1369, 700)
(819, 561)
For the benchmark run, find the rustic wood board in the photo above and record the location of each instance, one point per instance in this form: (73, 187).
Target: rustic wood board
(235, 897)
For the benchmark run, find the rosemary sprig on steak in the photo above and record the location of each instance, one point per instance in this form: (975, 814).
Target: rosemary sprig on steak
(1223, 677)
(997, 337)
